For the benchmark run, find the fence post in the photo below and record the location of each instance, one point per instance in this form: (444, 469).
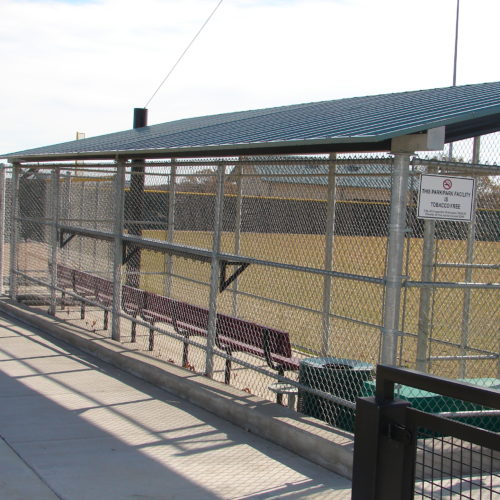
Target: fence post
(2, 226)
(383, 451)
(237, 232)
(330, 235)
(395, 250)
(424, 312)
(119, 198)
(54, 215)
(214, 273)
(14, 231)
(471, 237)
(169, 260)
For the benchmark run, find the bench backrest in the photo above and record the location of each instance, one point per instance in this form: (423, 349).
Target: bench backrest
(104, 289)
(132, 299)
(232, 333)
(172, 311)
(85, 282)
(65, 276)
(246, 332)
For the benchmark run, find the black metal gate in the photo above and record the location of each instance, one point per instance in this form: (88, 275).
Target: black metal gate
(401, 452)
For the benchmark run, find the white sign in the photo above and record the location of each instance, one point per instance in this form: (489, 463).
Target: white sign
(446, 198)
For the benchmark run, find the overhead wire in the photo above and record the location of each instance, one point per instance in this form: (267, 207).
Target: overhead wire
(184, 52)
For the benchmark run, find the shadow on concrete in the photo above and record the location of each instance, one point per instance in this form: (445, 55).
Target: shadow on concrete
(67, 439)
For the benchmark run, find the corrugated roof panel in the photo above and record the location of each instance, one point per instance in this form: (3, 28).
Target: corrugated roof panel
(367, 120)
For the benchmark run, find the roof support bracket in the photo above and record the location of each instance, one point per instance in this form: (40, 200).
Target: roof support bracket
(226, 281)
(63, 242)
(126, 257)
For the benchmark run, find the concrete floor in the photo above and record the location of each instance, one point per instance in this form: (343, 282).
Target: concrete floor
(73, 427)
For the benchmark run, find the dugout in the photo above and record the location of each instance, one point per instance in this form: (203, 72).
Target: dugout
(210, 195)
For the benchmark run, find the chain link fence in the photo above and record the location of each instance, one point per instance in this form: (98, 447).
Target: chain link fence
(269, 273)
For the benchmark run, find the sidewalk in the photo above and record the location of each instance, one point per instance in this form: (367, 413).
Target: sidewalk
(73, 427)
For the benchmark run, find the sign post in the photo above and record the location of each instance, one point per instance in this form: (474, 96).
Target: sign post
(446, 198)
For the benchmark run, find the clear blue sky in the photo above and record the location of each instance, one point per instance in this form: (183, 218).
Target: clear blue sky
(76, 65)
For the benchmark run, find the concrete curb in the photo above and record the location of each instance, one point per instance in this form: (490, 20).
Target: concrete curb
(305, 436)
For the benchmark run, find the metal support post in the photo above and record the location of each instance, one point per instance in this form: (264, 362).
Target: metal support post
(329, 243)
(424, 315)
(54, 218)
(119, 202)
(471, 239)
(214, 274)
(2, 226)
(237, 233)
(14, 231)
(81, 222)
(169, 260)
(424, 320)
(395, 253)
(383, 452)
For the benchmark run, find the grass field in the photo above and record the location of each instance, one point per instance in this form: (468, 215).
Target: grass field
(293, 301)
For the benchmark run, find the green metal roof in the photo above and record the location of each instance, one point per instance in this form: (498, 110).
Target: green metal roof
(343, 125)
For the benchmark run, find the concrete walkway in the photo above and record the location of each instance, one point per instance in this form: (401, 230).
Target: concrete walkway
(73, 427)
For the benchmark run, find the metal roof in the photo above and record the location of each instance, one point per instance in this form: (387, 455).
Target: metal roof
(343, 125)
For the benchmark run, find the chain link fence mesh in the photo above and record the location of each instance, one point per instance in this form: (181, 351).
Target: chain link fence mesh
(268, 273)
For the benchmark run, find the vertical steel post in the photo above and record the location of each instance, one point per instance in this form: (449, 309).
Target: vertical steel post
(424, 322)
(237, 233)
(67, 198)
(214, 272)
(471, 239)
(395, 254)
(169, 261)
(97, 214)
(81, 218)
(2, 226)
(135, 203)
(424, 315)
(14, 231)
(119, 198)
(54, 225)
(329, 243)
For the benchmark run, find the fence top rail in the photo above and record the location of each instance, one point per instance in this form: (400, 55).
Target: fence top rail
(388, 376)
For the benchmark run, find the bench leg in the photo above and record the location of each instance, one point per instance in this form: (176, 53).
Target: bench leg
(185, 351)
(151, 338)
(82, 310)
(63, 298)
(279, 399)
(106, 314)
(133, 331)
(227, 372)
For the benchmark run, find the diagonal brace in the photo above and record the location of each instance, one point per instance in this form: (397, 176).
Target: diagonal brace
(125, 257)
(226, 281)
(63, 242)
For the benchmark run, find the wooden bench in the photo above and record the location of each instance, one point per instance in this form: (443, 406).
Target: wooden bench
(104, 296)
(133, 304)
(87, 286)
(232, 334)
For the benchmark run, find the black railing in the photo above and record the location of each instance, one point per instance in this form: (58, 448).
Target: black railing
(401, 452)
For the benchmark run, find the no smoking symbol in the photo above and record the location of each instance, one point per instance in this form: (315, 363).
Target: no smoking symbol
(447, 184)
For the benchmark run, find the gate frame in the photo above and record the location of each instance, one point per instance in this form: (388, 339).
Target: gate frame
(385, 438)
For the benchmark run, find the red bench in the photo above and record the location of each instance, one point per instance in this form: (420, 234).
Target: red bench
(65, 280)
(133, 304)
(232, 334)
(87, 286)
